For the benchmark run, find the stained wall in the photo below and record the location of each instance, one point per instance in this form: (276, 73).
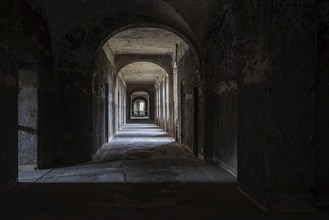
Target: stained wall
(23, 28)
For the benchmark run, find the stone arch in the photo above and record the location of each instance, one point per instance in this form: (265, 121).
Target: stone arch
(150, 93)
(88, 38)
(134, 12)
(145, 101)
(133, 90)
(75, 70)
(139, 97)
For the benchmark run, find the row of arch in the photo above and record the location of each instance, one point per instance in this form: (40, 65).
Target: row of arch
(254, 122)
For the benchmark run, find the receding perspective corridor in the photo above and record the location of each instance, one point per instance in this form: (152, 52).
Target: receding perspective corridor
(141, 174)
(164, 109)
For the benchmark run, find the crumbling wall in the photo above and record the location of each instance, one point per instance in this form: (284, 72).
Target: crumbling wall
(259, 67)
(222, 66)
(23, 27)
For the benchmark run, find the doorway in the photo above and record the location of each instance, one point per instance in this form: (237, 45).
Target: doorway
(28, 83)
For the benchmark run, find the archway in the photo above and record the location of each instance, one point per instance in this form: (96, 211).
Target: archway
(145, 79)
(105, 72)
(140, 105)
(139, 108)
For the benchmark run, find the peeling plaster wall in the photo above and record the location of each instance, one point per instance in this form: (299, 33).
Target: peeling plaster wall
(222, 65)
(23, 27)
(259, 66)
(290, 103)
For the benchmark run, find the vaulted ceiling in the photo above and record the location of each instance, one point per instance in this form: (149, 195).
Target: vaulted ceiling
(188, 18)
(144, 41)
(142, 73)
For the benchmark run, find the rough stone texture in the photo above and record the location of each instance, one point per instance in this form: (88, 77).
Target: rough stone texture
(264, 54)
(23, 27)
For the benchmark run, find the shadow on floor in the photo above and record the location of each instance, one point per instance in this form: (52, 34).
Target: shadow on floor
(135, 201)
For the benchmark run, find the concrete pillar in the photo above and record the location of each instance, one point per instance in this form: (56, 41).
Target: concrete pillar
(167, 102)
(175, 101)
(163, 94)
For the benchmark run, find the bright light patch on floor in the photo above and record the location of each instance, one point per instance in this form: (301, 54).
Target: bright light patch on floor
(139, 153)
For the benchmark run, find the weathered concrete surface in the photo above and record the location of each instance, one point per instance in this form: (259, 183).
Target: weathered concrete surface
(23, 27)
(222, 61)
(262, 68)
(257, 91)
(144, 40)
(28, 115)
(141, 174)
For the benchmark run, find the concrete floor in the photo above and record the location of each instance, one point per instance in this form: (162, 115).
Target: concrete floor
(141, 174)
